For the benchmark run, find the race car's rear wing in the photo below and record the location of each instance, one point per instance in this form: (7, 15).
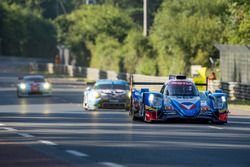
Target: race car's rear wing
(132, 83)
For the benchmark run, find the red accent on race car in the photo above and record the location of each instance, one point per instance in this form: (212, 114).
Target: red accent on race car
(223, 116)
(151, 115)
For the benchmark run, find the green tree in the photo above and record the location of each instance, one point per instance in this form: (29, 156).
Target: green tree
(25, 33)
(80, 29)
(136, 50)
(184, 33)
(106, 55)
(238, 29)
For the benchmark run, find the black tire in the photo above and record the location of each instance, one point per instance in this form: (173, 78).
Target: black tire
(132, 116)
(85, 108)
(132, 112)
(84, 104)
(18, 94)
(144, 115)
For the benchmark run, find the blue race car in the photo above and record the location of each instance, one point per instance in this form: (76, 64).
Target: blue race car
(177, 99)
(107, 94)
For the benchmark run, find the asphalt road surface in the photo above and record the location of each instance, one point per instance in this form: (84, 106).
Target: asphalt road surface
(56, 132)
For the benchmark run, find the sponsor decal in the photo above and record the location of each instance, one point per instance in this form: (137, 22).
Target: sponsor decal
(181, 83)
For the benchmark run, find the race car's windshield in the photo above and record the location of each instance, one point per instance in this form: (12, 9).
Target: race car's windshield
(103, 86)
(121, 86)
(111, 86)
(34, 79)
(181, 89)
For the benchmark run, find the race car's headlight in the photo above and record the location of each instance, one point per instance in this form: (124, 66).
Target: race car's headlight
(223, 98)
(22, 86)
(96, 94)
(155, 101)
(151, 98)
(46, 85)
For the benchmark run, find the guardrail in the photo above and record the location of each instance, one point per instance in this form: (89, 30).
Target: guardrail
(233, 89)
(89, 73)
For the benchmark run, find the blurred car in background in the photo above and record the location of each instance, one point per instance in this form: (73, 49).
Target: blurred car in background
(33, 85)
(107, 94)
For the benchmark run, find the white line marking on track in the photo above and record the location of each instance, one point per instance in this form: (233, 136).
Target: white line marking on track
(47, 142)
(77, 153)
(215, 127)
(9, 129)
(2, 125)
(111, 164)
(25, 135)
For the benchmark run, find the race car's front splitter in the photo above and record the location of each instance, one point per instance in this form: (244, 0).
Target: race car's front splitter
(153, 115)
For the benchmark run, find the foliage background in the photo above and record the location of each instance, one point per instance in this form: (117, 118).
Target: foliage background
(108, 34)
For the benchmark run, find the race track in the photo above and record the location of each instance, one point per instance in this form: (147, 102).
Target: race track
(55, 131)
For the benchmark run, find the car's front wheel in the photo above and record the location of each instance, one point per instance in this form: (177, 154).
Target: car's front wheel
(18, 94)
(132, 114)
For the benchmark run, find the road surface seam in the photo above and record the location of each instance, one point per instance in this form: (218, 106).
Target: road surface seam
(110, 164)
(9, 129)
(215, 127)
(47, 142)
(25, 135)
(76, 153)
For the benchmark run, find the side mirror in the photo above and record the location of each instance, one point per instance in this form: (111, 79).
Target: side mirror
(144, 90)
(218, 91)
(210, 96)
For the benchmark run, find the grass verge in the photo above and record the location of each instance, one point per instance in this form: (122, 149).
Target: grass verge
(239, 104)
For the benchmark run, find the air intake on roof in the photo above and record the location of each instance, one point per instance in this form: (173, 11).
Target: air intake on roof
(181, 77)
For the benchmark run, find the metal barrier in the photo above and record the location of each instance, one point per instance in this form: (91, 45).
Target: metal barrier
(234, 90)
